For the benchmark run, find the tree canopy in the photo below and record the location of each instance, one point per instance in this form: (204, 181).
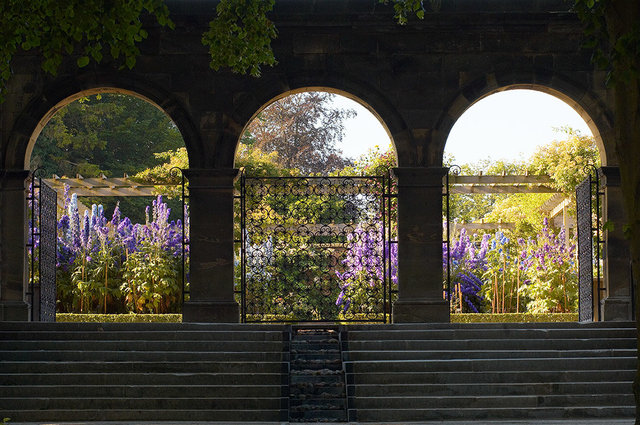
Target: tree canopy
(303, 129)
(108, 134)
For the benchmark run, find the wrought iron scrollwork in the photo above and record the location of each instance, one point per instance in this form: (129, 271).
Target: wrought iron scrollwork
(184, 196)
(42, 246)
(314, 249)
(48, 252)
(588, 227)
(454, 170)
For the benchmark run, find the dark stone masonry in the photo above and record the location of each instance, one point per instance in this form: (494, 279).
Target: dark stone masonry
(417, 79)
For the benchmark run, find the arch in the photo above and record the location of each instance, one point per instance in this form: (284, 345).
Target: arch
(368, 97)
(58, 94)
(585, 103)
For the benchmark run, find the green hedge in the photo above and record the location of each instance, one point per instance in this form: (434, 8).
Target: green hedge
(513, 317)
(119, 318)
(455, 318)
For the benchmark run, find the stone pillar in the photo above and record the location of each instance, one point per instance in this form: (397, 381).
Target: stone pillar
(420, 246)
(617, 302)
(12, 249)
(211, 250)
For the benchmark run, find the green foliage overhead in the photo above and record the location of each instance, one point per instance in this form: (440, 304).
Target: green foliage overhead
(615, 45)
(240, 36)
(88, 29)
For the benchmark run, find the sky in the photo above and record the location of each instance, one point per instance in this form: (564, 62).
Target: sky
(507, 125)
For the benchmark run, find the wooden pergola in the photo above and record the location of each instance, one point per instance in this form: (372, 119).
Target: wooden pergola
(501, 184)
(101, 186)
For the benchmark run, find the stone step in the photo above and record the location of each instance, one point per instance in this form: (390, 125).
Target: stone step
(317, 364)
(147, 378)
(480, 326)
(319, 415)
(314, 377)
(306, 346)
(497, 376)
(141, 367)
(482, 414)
(486, 389)
(331, 402)
(145, 415)
(490, 402)
(139, 356)
(490, 333)
(141, 345)
(138, 391)
(310, 388)
(140, 326)
(304, 353)
(392, 355)
(496, 344)
(145, 403)
(130, 335)
(498, 365)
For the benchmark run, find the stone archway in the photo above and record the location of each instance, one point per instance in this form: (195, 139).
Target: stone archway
(14, 176)
(418, 77)
(617, 303)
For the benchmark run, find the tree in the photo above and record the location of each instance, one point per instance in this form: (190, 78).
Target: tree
(565, 160)
(303, 129)
(110, 134)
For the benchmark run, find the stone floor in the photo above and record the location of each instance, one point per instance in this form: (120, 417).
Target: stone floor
(527, 422)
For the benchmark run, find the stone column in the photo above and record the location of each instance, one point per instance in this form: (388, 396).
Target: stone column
(420, 246)
(12, 249)
(211, 250)
(617, 302)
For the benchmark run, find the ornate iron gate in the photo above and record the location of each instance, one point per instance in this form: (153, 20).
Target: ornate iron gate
(316, 249)
(185, 245)
(42, 245)
(588, 226)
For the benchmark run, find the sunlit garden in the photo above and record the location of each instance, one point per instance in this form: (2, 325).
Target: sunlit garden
(134, 259)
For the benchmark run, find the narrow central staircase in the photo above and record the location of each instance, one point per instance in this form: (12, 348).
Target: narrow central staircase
(316, 378)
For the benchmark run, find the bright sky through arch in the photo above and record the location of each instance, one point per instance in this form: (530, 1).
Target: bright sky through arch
(506, 125)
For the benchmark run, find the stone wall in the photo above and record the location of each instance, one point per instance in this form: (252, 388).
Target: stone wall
(418, 79)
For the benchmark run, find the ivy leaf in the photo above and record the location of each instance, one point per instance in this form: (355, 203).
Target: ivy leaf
(83, 61)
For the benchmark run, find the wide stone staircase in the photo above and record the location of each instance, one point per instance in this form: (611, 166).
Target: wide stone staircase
(142, 372)
(491, 371)
(65, 372)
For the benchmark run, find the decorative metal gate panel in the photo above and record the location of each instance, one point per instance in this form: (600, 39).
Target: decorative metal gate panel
(48, 245)
(315, 249)
(43, 248)
(588, 227)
